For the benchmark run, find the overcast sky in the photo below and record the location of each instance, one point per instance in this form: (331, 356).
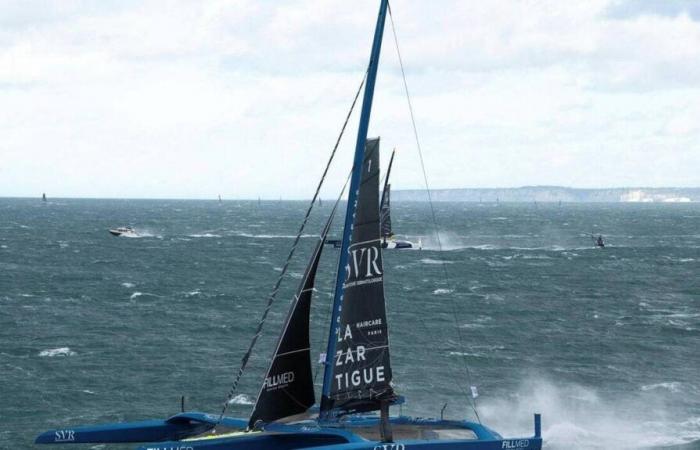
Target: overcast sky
(244, 98)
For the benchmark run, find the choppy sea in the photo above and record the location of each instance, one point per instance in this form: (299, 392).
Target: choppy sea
(605, 343)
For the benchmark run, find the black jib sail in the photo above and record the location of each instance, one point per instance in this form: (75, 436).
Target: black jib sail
(385, 204)
(288, 388)
(361, 367)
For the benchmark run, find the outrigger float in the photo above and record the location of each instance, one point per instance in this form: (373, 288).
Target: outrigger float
(357, 370)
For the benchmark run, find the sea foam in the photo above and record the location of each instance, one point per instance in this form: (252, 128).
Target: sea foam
(60, 351)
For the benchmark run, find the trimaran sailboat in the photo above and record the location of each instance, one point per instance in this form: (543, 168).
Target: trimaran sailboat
(389, 241)
(357, 370)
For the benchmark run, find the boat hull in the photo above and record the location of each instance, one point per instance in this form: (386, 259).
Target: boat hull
(399, 244)
(177, 427)
(323, 441)
(347, 435)
(355, 433)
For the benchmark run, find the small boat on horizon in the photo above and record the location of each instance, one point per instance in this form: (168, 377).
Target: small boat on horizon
(123, 231)
(599, 242)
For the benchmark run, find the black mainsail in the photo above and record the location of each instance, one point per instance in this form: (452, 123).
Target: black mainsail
(385, 204)
(361, 366)
(385, 213)
(288, 388)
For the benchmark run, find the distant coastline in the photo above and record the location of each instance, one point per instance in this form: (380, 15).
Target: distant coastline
(524, 194)
(554, 194)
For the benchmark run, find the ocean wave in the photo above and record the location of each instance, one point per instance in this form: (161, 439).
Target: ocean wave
(137, 294)
(126, 284)
(580, 417)
(671, 386)
(60, 351)
(240, 399)
(273, 236)
(441, 291)
(204, 235)
(434, 261)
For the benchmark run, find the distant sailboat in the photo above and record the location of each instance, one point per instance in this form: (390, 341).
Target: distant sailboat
(388, 240)
(43, 197)
(598, 241)
(219, 199)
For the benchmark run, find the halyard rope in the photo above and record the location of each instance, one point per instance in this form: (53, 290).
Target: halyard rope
(432, 212)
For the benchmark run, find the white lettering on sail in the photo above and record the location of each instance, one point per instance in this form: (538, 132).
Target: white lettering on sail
(368, 323)
(353, 379)
(364, 265)
(355, 258)
(282, 380)
(360, 352)
(372, 256)
(350, 356)
(338, 354)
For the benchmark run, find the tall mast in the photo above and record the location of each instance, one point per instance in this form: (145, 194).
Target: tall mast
(352, 202)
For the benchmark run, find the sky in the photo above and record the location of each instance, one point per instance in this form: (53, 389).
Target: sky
(245, 98)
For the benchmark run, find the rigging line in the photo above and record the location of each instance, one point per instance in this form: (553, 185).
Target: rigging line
(472, 400)
(273, 294)
(330, 304)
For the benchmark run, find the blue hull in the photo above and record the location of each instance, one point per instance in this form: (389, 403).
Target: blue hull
(175, 428)
(347, 436)
(353, 433)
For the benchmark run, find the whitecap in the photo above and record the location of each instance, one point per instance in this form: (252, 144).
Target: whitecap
(443, 291)
(273, 236)
(434, 261)
(137, 294)
(205, 235)
(127, 284)
(671, 386)
(240, 399)
(60, 351)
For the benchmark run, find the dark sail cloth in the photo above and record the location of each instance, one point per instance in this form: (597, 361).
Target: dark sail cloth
(288, 388)
(361, 366)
